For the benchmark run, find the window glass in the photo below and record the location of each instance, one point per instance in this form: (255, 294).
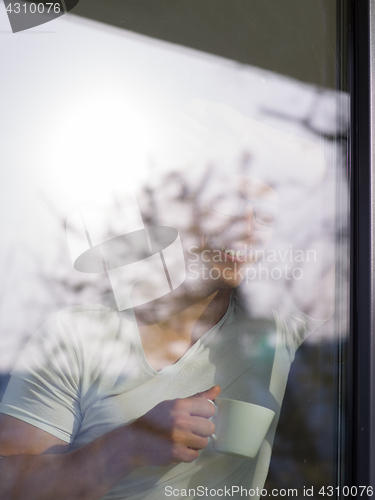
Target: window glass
(174, 221)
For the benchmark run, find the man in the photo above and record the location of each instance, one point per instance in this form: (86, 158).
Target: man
(109, 404)
(113, 403)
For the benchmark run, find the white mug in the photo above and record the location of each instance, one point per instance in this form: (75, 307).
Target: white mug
(240, 427)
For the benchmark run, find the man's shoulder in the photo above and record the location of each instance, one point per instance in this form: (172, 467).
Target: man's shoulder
(93, 321)
(95, 310)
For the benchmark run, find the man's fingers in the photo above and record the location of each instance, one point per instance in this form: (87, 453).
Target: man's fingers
(182, 439)
(202, 426)
(196, 442)
(189, 455)
(199, 407)
(210, 393)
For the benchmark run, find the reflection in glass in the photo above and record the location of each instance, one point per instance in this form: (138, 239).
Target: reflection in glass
(212, 263)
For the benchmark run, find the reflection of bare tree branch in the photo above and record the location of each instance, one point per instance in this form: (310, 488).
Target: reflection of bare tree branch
(305, 122)
(339, 136)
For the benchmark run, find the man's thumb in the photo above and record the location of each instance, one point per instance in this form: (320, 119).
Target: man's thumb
(210, 393)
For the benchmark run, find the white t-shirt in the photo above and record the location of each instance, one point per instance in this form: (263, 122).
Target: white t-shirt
(84, 373)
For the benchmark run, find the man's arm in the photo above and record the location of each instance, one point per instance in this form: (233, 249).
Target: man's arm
(37, 465)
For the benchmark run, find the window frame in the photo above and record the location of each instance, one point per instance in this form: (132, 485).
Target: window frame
(361, 370)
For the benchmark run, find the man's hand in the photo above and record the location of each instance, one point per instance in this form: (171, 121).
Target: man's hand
(35, 464)
(175, 430)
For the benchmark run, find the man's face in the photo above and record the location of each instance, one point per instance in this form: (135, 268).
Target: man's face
(237, 225)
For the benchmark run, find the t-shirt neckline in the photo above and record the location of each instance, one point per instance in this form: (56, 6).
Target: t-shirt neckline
(176, 367)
